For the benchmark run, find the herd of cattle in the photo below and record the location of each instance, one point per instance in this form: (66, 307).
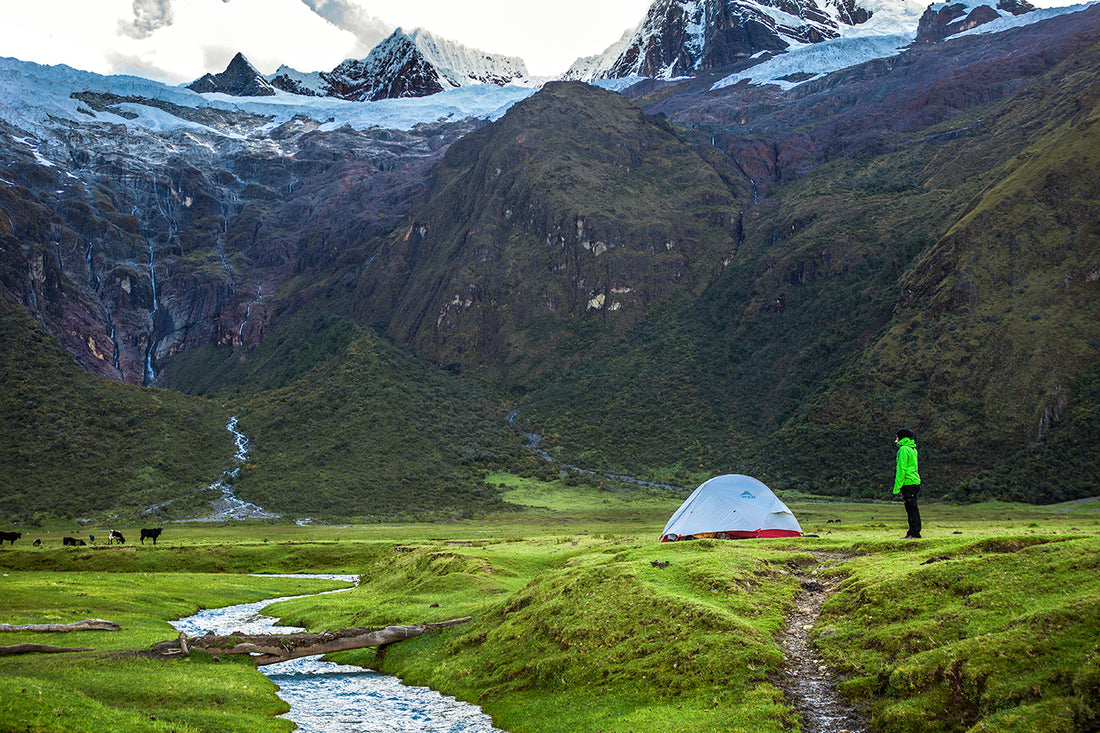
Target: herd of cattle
(114, 537)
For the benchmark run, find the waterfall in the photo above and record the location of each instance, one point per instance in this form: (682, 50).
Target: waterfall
(93, 279)
(150, 351)
(228, 506)
(248, 311)
(111, 334)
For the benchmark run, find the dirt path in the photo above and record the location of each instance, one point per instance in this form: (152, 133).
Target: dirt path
(808, 683)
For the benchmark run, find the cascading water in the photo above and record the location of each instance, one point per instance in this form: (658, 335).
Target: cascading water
(229, 506)
(335, 698)
(248, 311)
(150, 370)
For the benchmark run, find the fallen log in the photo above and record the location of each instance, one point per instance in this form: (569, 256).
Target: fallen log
(272, 648)
(40, 649)
(88, 624)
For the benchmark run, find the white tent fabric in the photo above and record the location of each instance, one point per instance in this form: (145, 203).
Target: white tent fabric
(737, 505)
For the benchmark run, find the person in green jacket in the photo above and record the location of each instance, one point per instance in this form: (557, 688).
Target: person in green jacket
(907, 480)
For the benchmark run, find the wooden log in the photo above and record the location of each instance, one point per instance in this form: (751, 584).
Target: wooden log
(271, 648)
(88, 624)
(40, 649)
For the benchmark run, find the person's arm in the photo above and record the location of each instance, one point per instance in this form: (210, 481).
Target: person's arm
(899, 474)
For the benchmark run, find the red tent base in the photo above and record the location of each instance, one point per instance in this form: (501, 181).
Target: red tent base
(738, 535)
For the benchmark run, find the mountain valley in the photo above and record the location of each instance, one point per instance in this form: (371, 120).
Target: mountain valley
(675, 279)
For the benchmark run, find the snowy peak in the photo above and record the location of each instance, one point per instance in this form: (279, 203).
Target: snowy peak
(240, 79)
(307, 84)
(942, 20)
(462, 65)
(682, 37)
(393, 69)
(685, 37)
(415, 64)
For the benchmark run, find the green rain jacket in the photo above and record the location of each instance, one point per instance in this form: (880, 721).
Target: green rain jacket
(907, 465)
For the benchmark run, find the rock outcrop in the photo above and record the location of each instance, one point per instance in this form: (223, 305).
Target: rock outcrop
(134, 248)
(574, 207)
(240, 79)
(683, 38)
(415, 64)
(941, 21)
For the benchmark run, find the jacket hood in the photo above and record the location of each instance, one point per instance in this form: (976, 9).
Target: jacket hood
(906, 443)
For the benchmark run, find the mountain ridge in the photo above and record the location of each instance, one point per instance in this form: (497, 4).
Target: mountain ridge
(414, 64)
(673, 281)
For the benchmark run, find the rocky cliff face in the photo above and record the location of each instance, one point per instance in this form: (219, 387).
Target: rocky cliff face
(574, 207)
(682, 37)
(415, 64)
(240, 79)
(133, 246)
(941, 20)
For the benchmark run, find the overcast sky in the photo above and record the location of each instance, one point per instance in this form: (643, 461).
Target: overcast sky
(180, 40)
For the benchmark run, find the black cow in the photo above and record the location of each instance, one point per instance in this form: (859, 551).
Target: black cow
(151, 534)
(37, 543)
(9, 537)
(115, 536)
(73, 541)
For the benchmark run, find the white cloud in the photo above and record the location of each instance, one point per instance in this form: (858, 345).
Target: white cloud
(149, 16)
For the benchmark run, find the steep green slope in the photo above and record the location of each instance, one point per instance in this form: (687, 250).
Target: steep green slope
(998, 323)
(373, 434)
(345, 425)
(565, 221)
(911, 287)
(342, 425)
(73, 445)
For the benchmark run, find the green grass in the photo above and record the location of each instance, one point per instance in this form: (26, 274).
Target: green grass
(990, 623)
(369, 432)
(111, 688)
(72, 445)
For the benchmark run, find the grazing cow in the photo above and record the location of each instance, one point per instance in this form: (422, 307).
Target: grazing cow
(37, 543)
(151, 534)
(73, 541)
(9, 537)
(115, 536)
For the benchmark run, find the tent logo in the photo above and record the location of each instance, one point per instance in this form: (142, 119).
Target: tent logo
(747, 495)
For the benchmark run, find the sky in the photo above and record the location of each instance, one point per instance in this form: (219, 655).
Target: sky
(177, 41)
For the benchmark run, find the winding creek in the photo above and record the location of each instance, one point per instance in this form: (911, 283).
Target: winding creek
(335, 698)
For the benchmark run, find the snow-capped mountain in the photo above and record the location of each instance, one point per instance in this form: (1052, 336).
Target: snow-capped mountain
(592, 68)
(941, 20)
(891, 29)
(414, 64)
(240, 79)
(786, 42)
(178, 163)
(685, 37)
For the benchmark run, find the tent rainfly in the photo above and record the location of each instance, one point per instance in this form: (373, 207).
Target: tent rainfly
(731, 507)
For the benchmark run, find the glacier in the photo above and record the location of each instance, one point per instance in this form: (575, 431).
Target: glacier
(32, 94)
(889, 31)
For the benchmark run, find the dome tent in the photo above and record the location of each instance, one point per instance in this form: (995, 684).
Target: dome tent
(731, 506)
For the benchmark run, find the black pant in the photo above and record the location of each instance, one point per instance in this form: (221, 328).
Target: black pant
(909, 496)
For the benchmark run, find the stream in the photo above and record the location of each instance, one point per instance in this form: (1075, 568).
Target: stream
(337, 698)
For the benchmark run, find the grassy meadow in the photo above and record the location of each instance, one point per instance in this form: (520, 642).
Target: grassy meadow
(991, 623)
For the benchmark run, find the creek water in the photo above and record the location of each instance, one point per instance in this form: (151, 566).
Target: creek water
(338, 698)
